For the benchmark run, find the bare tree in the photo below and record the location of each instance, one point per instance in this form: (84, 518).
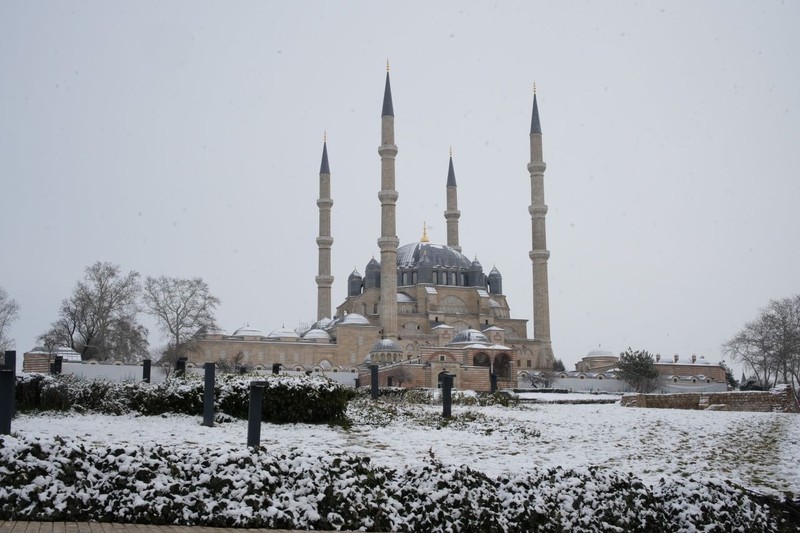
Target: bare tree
(181, 307)
(9, 311)
(400, 375)
(236, 364)
(770, 344)
(542, 379)
(99, 318)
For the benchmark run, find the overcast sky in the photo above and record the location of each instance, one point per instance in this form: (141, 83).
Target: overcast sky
(184, 139)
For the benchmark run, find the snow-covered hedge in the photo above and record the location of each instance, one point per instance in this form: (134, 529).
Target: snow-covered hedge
(428, 396)
(54, 479)
(286, 398)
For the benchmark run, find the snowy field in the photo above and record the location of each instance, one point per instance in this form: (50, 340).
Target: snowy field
(758, 450)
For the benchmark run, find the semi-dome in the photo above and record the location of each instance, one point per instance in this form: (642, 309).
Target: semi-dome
(403, 298)
(283, 333)
(410, 255)
(385, 345)
(247, 331)
(469, 336)
(351, 319)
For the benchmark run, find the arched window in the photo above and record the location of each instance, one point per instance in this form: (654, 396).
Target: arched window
(453, 304)
(481, 359)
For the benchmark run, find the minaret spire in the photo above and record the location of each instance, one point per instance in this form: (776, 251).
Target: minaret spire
(452, 214)
(324, 241)
(539, 253)
(388, 242)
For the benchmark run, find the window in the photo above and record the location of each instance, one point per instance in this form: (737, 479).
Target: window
(528, 363)
(442, 358)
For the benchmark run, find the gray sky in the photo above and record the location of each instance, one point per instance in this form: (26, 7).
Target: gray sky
(184, 139)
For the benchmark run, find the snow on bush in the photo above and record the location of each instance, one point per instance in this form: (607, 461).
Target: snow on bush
(310, 399)
(53, 479)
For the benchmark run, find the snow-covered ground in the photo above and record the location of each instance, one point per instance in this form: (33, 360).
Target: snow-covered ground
(758, 450)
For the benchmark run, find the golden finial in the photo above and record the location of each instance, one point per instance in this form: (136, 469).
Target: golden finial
(534, 88)
(387, 64)
(325, 136)
(451, 151)
(424, 233)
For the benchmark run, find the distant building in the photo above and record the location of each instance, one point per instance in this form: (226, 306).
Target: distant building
(597, 371)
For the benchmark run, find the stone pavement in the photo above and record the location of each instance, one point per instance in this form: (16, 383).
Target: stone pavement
(108, 527)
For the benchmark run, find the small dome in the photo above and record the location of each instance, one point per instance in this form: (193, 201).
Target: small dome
(322, 323)
(316, 334)
(495, 272)
(354, 319)
(475, 265)
(494, 303)
(372, 265)
(703, 361)
(247, 331)
(385, 345)
(403, 298)
(354, 275)
(283, 333)
(597, 352)
(469, 336)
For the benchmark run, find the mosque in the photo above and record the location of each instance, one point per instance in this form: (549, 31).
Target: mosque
(422, 310)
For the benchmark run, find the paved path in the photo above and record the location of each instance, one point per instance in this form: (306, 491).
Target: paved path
(108, 527)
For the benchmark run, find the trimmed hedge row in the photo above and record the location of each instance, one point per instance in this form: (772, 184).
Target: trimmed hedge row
(426, 396)
(287, 399)
(59, 480)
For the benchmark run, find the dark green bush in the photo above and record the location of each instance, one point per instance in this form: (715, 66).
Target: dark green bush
(287, 399)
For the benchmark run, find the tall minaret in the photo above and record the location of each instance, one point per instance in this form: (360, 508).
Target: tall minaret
(324, 241)
(452, 213)
(539, 254)
(388, 241)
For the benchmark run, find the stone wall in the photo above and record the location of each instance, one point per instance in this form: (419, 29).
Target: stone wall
(778, 400)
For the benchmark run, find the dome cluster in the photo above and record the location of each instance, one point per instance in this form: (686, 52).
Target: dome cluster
(425, 262)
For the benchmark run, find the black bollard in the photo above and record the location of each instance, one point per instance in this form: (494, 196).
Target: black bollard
(493, 381)
(11, 364)
(208, 395)
(276, 368)
(7, 380)
(180, 367)
(254, 415)
(146, 370)
(373, 372)
(447, 396)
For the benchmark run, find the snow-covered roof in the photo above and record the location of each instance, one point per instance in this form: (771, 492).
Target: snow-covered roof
(283, 333)
(354, 319)
(247, 331)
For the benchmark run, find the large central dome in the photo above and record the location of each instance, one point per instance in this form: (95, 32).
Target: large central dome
(410, 255)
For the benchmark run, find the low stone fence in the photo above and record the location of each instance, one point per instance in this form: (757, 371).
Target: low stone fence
(777, 400)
